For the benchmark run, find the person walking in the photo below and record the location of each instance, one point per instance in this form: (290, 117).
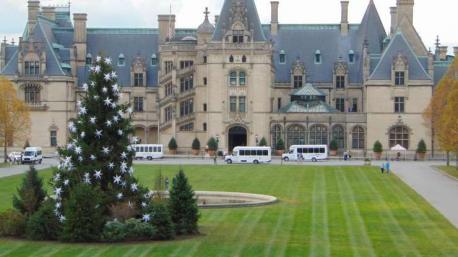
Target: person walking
(387, 167)
(382, 168)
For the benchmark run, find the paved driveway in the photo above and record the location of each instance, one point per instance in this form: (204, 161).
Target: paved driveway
(18, 169)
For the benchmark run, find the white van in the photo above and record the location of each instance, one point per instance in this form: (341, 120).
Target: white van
(149, 152)
(244, 154)
(306, 153)
(32, 155)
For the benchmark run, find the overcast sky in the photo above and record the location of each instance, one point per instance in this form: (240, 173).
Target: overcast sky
(431, 18)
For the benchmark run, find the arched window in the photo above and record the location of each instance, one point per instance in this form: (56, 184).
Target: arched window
(32, 94)
(358, 138)
(244, 59)
(231, 58)
(296, 135)
(89, 59)
(242, 78)
(338, 134)
(153, 60)
(233, 78)
(121, 60)
(399, 135)
(318, 135)
(276, 135)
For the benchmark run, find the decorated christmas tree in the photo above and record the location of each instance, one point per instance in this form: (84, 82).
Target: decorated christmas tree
(99, 154)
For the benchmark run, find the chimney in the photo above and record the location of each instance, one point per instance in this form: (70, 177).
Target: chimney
(80, 37)
(216, 19)
(166, 27)
(443, 53)
(274, 17)
(33, 11)
(394, 19)
(49, 12)
(405, 10)
(344, 17)
(2, 54)
(455, 51)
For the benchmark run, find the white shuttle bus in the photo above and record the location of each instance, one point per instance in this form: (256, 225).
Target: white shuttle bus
(245, 154)
(148, 152)
(306, 153)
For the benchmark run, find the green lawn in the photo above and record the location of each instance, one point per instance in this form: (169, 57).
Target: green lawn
(450, 170)
(323, 211)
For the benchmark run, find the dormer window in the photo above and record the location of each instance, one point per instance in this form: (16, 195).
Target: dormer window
(121, 60)
(282, 57)
(153, 60)
(399, 78)
(237, 36)
(351, 56)
(340, 82)
(88, 59)
(318, 57)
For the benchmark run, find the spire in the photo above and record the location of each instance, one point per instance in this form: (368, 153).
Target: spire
(372, 30)
(242, 13)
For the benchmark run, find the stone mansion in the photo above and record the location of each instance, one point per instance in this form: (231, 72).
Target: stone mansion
(236, 79)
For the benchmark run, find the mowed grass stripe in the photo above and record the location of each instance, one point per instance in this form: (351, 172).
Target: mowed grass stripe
(247, 233)
(319, 238)
(361, 243)
(431, 232)
(5, 253)
(284, 221)
(389, 226)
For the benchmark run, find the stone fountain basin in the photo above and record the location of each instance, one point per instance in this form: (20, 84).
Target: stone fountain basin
(209, 199)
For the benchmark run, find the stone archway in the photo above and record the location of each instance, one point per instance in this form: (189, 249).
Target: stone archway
(237, 136)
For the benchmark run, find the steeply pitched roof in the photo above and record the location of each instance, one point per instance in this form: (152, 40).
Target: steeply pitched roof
(315, 107)
(371, 30)
(11, 54)
(399, 46)
(252, 18)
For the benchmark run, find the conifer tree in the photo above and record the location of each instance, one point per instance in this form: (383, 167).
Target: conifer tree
(183, 206)
(98, 153)
(31, 193)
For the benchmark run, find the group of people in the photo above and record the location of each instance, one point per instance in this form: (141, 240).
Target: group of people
(385, 167)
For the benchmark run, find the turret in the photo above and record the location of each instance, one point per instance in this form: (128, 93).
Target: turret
(205, 30)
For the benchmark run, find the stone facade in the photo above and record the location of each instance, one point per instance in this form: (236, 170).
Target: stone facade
(237, 80)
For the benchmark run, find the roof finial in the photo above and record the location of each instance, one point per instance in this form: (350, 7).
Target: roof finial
(206, 12)
(438, 43)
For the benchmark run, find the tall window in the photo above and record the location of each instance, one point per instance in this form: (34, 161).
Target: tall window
(298, 81)
(186, 84)
(242, 78)
(153, 60)
(338, 134)
(168, 67)
(340, 104)
(340, 82)
(237, 36)
(233, 78)
(32, 94)
(317, 57)
(32, 68)
(279, 103)
(276, 135)
(358, 138)
(121, 60)
(186, 107)
(295, 135)
(53, 138)
(399, 104)
(168, 89)
(233, 104)
(351, 56)
(205, 59)
(138, 104)
(242, 104)
(282, 57)
(354, 105)
(318, 135)
(168, 113)
(205, 81)
(399, 135)
(138, 80)
(88, 59)
(204, 126)
(399, 78)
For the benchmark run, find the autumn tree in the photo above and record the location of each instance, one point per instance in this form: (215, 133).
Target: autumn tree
(436, 114)
(449, 122)
(14, 116)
